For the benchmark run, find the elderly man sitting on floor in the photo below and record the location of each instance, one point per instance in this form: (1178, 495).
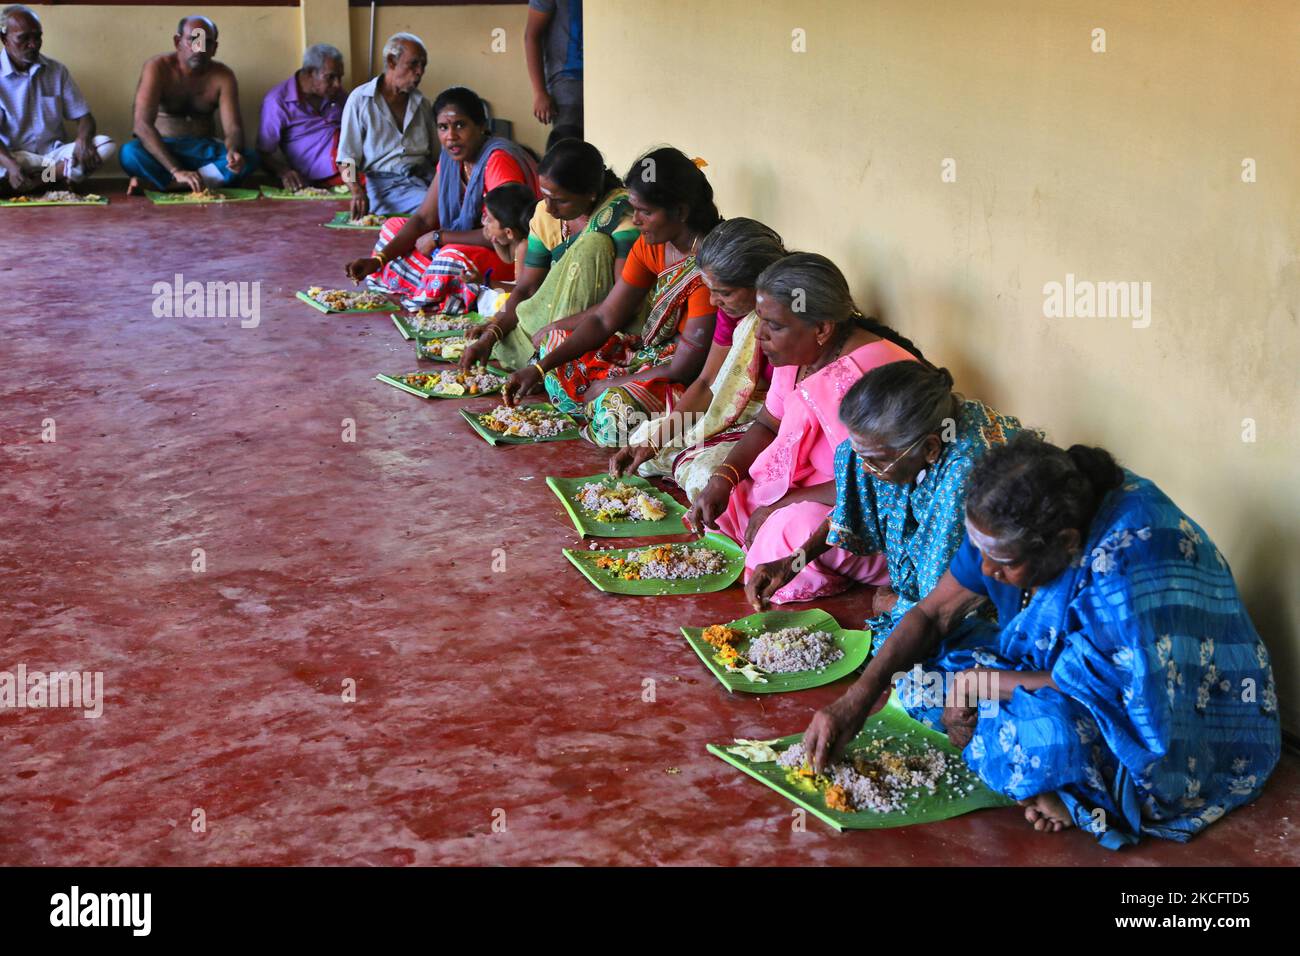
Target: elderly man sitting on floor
(299, 133)
(37, 95)
(178, 96)
(388, 134)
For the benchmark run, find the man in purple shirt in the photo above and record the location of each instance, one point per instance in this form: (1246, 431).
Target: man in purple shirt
(36, 95)
(299, 133)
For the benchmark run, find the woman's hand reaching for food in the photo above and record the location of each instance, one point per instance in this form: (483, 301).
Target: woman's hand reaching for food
(358, 269)
(525, 381)
(830, 731)
(710, 503)
(628, 459)
(769, 578)
(477, 351)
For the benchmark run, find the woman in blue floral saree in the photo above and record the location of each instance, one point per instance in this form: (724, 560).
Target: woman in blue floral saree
(1132, 694)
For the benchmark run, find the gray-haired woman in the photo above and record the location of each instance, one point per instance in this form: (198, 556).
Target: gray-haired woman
(900, 484)
(688, 443)
(777, 484)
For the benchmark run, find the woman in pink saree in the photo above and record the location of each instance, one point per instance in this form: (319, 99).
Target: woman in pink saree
(778, 484)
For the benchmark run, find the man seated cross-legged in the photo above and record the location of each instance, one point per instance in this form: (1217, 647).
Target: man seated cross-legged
(37, 95)
(178, 96)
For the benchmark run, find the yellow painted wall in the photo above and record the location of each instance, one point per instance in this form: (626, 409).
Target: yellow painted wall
(327, 21)
(1122, 165)
(105, 46)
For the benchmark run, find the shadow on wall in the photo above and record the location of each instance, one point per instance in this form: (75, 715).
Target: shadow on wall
(1265, 565)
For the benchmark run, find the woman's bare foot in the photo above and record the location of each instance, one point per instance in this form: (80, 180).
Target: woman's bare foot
(1047, 813)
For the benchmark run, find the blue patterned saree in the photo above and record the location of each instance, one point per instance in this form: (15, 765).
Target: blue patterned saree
(1165, 713)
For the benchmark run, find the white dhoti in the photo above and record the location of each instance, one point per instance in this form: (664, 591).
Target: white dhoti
(62, 159)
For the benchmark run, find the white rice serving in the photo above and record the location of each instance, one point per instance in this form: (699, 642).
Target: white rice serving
(793, 649)
(875, 778)
(682, 563)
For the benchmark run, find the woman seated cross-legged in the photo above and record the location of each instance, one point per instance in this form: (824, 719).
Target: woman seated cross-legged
(415, 256)
(616, 363)
(689, 442)
(1124, 690)
(777, 484)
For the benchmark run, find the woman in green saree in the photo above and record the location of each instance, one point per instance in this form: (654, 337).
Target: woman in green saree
(578, 240)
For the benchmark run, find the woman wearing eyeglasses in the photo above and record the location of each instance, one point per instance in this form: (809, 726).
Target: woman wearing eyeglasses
(777, 485)
(900, 484)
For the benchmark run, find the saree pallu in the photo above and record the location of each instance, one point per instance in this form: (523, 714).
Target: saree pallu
(690, 453)
(427, 282)
(621, 408)
(581, 279)
(918, 527)
(1164, 716)
(460, 205)
(693, 467)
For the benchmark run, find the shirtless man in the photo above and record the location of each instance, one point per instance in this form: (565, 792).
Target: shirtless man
(178, 94)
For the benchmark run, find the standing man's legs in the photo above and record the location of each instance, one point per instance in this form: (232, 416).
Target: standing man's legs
(567, 93)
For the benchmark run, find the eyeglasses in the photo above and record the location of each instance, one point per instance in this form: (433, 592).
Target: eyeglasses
(881, 472)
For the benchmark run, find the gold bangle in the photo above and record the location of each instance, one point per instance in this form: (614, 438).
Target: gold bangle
(380, 256)
(540, 371)
(720, 474)
(733, 471)
(496, 330)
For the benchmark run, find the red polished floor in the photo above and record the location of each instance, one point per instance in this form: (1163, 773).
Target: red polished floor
(478, 692)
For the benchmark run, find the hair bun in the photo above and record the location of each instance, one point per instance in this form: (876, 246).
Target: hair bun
(946, 376)
(1098, 466)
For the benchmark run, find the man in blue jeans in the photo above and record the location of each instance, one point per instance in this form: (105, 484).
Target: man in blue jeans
(178, 95)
